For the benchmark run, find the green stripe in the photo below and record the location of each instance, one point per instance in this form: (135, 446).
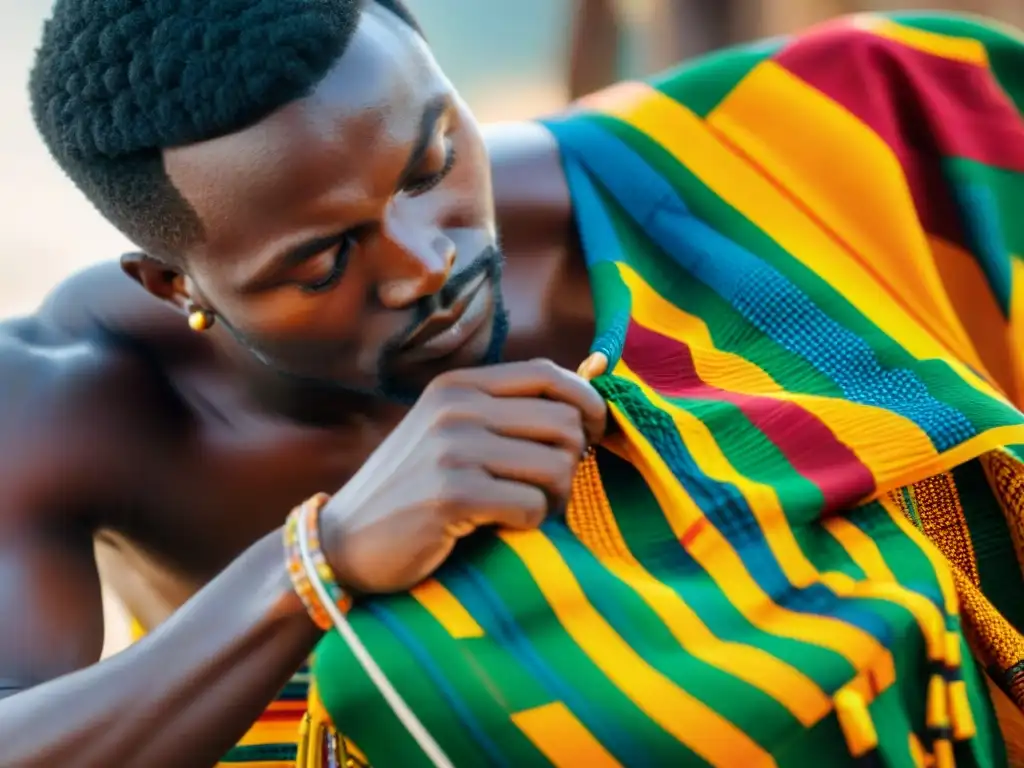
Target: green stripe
(507, 575)
(258, 753)
(993, 218)
(486, 680)
(729, 330)
(360, 712)
(702, 84)
(754, 456)
(994, 553)
(612, 301)
(912, 568)
(889, 714)
(911, 506)
(1005, 51)
(1007, 190)
(987, 748)
(940, 380)
(652, 542)
(760, 716)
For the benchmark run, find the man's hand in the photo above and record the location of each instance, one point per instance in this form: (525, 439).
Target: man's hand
(483, 446)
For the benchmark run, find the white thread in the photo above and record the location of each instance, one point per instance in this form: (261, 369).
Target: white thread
(402, 711)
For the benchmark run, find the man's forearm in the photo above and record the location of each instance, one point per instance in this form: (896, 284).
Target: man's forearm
(182, 696)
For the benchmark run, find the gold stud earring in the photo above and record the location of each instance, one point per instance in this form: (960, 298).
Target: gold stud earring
(200, 320)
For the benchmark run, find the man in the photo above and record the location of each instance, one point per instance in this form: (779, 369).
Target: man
(671, 31)
(736, 578)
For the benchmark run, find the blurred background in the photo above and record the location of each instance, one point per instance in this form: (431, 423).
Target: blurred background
(509, 58)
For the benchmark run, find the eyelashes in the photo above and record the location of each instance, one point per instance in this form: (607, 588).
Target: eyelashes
(429, 182)
(341, 254)
(344, 248)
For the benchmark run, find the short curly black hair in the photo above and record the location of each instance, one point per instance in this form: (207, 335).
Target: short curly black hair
(116, 81)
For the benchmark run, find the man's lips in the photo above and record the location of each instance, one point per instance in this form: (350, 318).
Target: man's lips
(446, 330)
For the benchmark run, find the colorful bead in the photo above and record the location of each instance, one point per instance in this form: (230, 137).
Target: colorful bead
(301, 579)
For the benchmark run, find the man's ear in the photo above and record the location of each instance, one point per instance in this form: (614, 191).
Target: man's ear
(156, 276)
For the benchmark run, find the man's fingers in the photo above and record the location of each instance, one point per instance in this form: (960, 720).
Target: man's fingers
(546, 467)
(542, 421)
(504, 503)
(538, 378)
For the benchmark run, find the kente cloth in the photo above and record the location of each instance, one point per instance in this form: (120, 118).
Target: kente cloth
(802, 544)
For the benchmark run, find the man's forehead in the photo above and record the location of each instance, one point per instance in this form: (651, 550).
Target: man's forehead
(371, 100)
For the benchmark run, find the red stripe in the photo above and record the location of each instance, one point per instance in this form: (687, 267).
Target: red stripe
(811, 448)
(925, 107)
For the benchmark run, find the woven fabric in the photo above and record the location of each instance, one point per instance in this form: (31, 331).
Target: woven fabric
(803, 256)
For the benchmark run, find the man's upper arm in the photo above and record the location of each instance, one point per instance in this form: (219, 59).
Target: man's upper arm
(50, 602)
(51, 606)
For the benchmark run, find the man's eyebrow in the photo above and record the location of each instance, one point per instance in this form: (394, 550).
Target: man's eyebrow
(432, 112)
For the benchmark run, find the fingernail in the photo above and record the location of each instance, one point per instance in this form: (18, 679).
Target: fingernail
(594, 366)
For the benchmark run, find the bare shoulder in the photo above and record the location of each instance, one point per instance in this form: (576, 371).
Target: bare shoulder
(72, 410)
(49, 482)
(530, 190)
(102, 298)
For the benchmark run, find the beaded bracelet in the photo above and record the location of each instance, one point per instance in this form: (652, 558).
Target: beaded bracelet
(316, 584)
(307, 515)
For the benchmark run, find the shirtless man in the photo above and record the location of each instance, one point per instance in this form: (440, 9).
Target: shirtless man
(189, 449)
(312, 197)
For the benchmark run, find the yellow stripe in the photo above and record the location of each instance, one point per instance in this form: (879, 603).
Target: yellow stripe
(861, 548)
(681, 133)
(882, 440)
(978, 309)
(562, 738)
(942, 569)
(954, 457)
(921, 608)
(675, 710)
(793, 131)
(714, 553)
(272, 732)
(1017, 323)
(954, 48)
(754, 666)
(447, 609)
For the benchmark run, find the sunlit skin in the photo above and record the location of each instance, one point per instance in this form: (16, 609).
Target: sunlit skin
(180, 451)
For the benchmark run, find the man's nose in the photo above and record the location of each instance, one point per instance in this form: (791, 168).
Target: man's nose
(418, 262)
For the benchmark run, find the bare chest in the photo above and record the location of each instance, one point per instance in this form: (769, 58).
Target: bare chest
(232, 481)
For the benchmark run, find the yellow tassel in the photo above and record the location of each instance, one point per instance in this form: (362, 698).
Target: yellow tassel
(917, 754)
(317, 753)
(937, 710)
(855, 722)
(960, 713)
(944, 757)
(954, 657)
(938, 720)
(302, 754)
